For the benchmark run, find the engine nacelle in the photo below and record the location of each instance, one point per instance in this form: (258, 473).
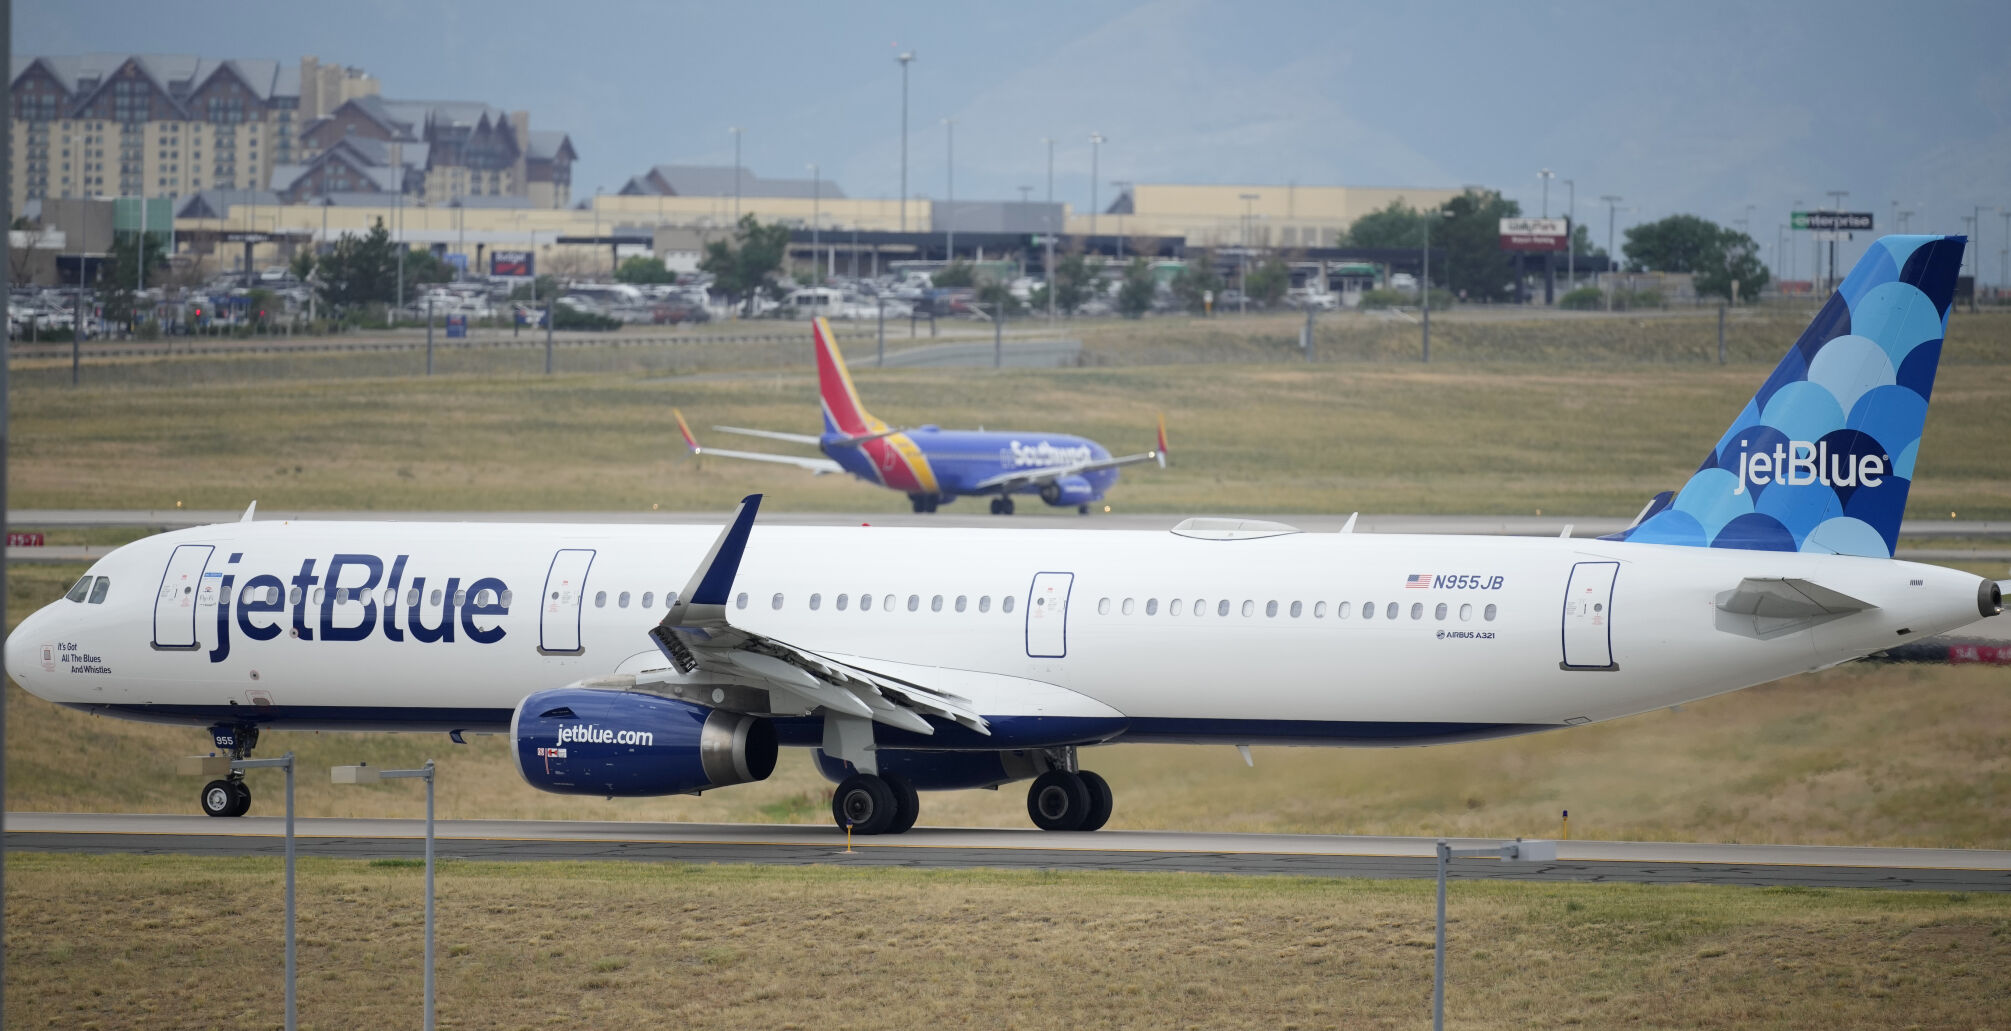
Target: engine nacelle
(1068, 490)
(595, 741)
(942, 771)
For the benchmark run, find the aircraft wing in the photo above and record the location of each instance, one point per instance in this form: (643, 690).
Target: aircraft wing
(820, 466)
(703, 645)
(793, 438)
(1047, 474)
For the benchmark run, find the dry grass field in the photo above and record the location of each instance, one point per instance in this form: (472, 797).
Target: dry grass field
(168, 942)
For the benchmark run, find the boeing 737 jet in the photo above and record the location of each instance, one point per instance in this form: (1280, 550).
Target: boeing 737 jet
(932, 465)
(657, 660)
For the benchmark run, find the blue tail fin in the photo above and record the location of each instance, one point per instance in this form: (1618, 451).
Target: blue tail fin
(1821, 458)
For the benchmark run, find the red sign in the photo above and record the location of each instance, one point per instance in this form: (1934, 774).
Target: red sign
(24, 540)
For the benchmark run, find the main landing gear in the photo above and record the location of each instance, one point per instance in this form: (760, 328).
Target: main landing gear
(1002, 506)
(876, 805)
(1061, 799)
(924, 502)
(230, 796)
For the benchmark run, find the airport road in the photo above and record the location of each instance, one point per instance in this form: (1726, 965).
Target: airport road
(933, 847)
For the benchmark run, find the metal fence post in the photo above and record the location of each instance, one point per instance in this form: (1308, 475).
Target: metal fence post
(882, 360)
(429, 893)
(551, 317)
(429, 334)
(998, 337)
(1444, 852)
(1721, 334)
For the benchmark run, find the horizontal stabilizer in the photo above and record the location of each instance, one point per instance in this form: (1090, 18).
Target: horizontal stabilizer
(1765, 608)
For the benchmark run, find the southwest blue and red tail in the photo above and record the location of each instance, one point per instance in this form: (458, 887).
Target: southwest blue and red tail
(1820, 460)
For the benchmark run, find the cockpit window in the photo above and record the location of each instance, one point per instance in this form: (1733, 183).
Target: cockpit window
(78, 592)
(99, 589)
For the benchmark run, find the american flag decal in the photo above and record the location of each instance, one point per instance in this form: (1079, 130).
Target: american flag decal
(1416, 581)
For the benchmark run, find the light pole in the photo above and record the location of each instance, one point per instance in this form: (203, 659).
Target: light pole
(1611, 199)
(735, 130)
(1424, 281)
(597, 206)
(2004, 254)
(398, 163)
(1519, 851)
(905, 57)
(1571, 233)
(1243, 270)
(1546, 175)
(1049, 140)
(816, 209)
(1095, 143)
(1905, 219)
(950, 215)
(217, 765)
(370, 775)
(1121, 186)
(1836, 208)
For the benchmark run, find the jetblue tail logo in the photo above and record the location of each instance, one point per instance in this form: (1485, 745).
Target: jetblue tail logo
(1821, 459)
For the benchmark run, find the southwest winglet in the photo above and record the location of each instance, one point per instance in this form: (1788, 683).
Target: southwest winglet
(689, 441)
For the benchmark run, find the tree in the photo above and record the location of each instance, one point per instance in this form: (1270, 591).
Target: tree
(1736, 260)
(1679, 243)
(1193, 284)
(1135, 294)
(643, 269)
(1468, 234)
(302, 264)
(542, 288)
(995, 295)
(957, 273)
(749, 261)
(1397, 225)
(21, 259)
(360, 269)
(423, 266)
(1266, 284)
(1073, 279)
(1584, 249)
(117, 279)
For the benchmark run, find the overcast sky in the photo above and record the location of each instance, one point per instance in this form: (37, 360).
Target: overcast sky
(1701, 108)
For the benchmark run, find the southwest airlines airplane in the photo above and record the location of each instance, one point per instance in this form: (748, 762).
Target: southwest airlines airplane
(933, 465)
(656, 660)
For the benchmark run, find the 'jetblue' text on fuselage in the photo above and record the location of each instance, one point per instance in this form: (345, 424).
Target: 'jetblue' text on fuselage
(262, 607)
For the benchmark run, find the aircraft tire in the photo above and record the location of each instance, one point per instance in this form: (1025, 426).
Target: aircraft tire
(243, 804)
(998, 508)
(1058, 801)
(907, 803)
(1082, 510)
(1005, 506)
(865, 803)
(919, 503)
(219, 799)
(1100, 801)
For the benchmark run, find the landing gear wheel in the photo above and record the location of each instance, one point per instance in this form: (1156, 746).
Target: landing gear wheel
(220, 797)
(919, 503)
(243, 803)
(933, 502)
(1058, 801)
(907, 803)
(1100, 801)
(1082, 510)
(997, 507)
(864, 803)
(1005, 506)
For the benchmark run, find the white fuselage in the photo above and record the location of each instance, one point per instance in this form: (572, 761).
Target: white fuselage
(1500, 634)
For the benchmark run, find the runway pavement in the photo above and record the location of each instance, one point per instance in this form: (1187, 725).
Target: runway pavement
(935, 847)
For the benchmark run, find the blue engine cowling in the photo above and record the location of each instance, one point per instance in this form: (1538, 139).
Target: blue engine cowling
(941, 771)
(595, 741)
(1068, 490)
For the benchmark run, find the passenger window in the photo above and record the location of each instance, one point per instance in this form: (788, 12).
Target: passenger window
(815, 601)
(984, 603)
(1173, 607)
(962, 600)
(104, 585)
(81, 591)
(1390, 611)
(1271, 610)
(1152, 606)
(412, 596)
(621, 600)
(1417, 610)
(1249, 608)
(320, 595)
(887, 603)
(842, 599)
(1319, 610)
(1368, 610)
(914, 602)
(1103, 607)
(600, 600)
(390, 597)
(1439, 614)
(1126, 607)
(740, 600)
(506, 600)
(436, 596)
(1005, 603)
(647, 597)
(342, 596)
(1222, 607)
(865, 603)
(776, 602)
(669, 598)
(1487, 613)
(1298, 607)
(936, 603)
(1465, 613)
(222, 597)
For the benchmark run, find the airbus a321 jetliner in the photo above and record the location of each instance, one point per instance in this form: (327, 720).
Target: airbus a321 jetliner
(651, 660)
(933, 465)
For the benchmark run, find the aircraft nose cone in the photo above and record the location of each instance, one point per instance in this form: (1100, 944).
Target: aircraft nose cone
(24, 650)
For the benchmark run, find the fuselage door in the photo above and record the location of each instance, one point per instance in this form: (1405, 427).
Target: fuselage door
(1588, 616)
(564, 598)
(1047, 615)
(175, 605)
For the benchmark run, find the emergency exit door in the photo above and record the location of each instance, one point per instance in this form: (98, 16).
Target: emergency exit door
(1588, 616)
(1047, 615)
(560, 607)
(175, 605)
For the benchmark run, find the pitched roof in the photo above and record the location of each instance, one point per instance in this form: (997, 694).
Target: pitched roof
(550, 144)
(718, 181)
(176, 75)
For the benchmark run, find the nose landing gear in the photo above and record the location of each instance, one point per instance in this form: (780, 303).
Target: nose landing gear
(230, 796)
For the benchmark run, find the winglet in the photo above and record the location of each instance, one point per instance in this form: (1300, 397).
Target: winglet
(1162, 440)
(249, 511)
(689, 441)
(701, 607)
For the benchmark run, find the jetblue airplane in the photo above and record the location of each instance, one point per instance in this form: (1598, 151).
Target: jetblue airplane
(933, 465)
(657, 660)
